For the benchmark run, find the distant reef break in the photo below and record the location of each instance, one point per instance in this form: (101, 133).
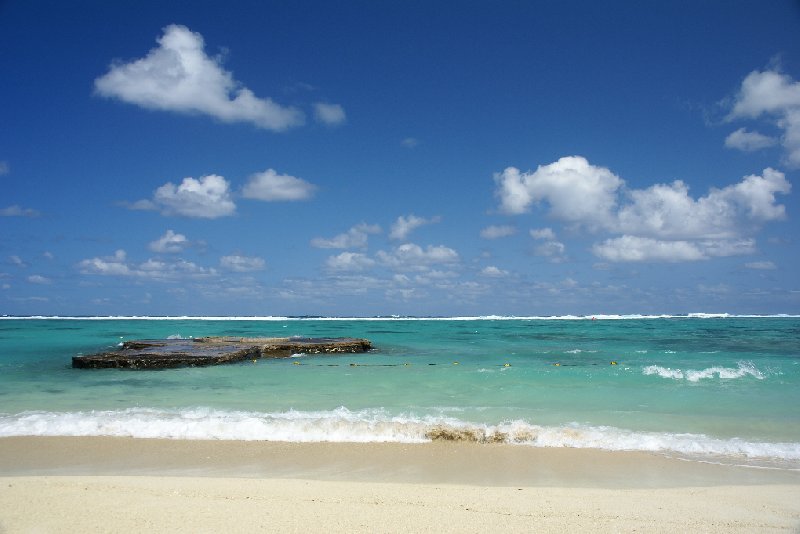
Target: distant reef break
(204, 351)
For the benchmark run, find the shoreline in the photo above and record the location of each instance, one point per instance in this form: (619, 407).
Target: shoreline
(435, 462)
(124, 484)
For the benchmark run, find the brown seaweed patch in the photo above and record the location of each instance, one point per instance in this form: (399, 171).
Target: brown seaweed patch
(442, 433)
(496, 437)
(470, 435)
(525, 436)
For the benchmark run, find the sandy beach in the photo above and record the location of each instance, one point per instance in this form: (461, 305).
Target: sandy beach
(121, 485)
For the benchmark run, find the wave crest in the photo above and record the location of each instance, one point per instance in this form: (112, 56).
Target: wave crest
(742, 370)
(374, 425)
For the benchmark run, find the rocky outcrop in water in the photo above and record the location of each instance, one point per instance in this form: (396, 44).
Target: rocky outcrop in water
(167, 353)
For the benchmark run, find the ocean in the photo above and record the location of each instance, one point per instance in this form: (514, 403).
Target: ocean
(712, 388)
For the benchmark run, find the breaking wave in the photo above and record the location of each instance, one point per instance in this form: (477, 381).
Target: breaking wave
(375, 425)
(743, 369)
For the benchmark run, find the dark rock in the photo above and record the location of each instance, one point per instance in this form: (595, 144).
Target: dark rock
(166, 353)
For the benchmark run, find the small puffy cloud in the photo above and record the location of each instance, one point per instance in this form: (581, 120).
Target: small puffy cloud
(273, 187)
(330, 114)
(414, 258)
(118, 265)
(554, 251)
(39, 279)
(494, 272)
(208, 197)
(355, 237)
(497, 231)
(110, 265)
(403, 226)
(4, 168)
(17, 211)
(543, 233)
(775, 95)
(349, 261)
(410, 142)
(178, 76)
(746, 141)
(242, 264)
(170, 242)
(765, 92)
(168, 270)
(16, 260)
(577, 191)
(551, 248)
(761, 265)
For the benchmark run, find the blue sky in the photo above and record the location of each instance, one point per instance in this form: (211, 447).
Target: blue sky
(375, 158)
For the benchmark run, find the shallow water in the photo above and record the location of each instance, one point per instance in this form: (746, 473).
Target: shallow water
(716, 388)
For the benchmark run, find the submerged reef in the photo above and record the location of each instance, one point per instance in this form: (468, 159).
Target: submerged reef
(198, 352)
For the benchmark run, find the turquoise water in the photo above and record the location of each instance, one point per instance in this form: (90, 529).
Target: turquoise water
(717, 388)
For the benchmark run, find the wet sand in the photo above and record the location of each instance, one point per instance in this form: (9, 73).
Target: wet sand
(121, 484)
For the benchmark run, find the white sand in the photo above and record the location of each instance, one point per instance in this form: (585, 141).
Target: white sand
(125, 485)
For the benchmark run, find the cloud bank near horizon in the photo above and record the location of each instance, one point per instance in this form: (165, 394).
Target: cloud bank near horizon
(662, 222)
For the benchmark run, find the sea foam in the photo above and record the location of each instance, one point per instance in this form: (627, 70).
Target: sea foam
(377, 425)
(742, 370)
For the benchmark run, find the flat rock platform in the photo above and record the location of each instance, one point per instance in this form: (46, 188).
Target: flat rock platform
(203, 351)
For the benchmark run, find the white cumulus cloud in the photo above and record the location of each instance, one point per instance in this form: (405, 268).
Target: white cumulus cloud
(765, 92)
(667, 210)
(746, 141)
(355, 237)
(404, 225)
(178, 76)
(651, 222)
(208, 197)
(272, 187)
(110, 265)
(497, 231)
(330, 114)
(170, 242)
(39, 279)
(575, 190)
(118, 265)
(349, 261)
(543, 233)
(242, 264)
(775, 95)
(551, 248)
(494, 272)
(554, 251)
